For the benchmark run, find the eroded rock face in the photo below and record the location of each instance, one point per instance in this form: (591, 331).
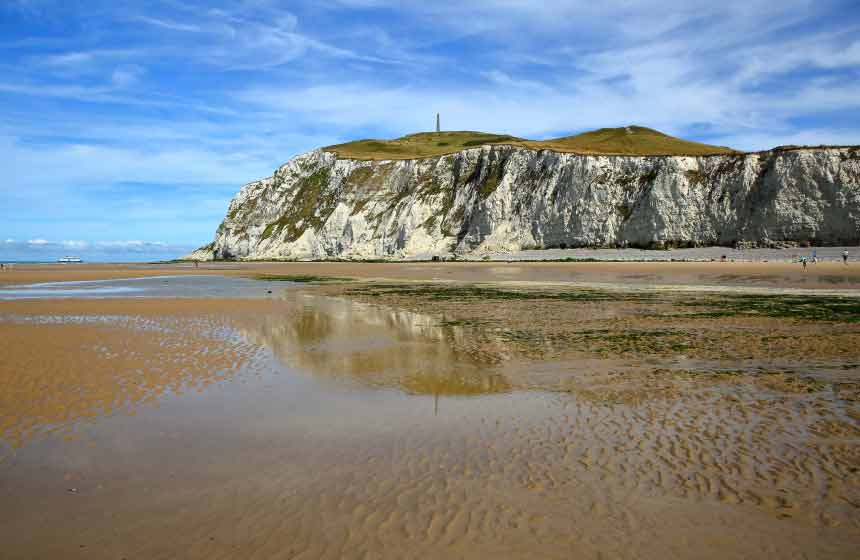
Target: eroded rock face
(504, 198)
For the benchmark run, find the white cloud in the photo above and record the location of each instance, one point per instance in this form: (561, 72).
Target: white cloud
(257, 35)
(504, 80)
(127, 76)
(98, 246)
(74, 64)
(125, 244)
(755, 140)
(168, 24)
(69, 59)
(98, 164)
(121, 244)
(538, 112)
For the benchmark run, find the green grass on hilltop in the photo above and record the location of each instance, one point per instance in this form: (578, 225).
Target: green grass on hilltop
(630, 140)
(421, 145)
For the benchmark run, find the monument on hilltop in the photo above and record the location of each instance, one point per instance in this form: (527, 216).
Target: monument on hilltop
(438, 129)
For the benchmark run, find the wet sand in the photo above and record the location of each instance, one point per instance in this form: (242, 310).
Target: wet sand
(391, 419)
(824, 275)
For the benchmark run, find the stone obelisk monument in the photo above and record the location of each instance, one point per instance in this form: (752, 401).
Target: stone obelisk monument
(438, 129)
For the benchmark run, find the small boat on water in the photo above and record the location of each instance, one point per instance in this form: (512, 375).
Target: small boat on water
(69, 259)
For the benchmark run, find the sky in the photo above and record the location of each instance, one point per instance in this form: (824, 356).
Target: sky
(126, 126)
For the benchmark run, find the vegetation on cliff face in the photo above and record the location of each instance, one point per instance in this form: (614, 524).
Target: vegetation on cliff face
(311, 207)
(628, 140)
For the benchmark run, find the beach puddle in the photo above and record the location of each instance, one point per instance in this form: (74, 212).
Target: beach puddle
(187, 286)
(297, 425)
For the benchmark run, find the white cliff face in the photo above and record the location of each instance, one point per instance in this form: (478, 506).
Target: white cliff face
(505, 198)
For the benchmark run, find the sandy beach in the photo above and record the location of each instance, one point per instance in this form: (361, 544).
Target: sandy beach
(823, 275)
(437, 410)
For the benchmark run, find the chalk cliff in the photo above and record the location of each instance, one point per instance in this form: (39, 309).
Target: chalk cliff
(499, 197)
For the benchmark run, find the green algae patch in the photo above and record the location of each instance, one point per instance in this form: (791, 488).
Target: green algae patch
(809, 308)
(301, 278)
(467, 292)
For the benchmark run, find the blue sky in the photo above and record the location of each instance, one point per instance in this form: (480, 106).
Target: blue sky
(127, 125)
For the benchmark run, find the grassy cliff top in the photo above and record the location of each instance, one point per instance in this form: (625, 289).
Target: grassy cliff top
(628, 140)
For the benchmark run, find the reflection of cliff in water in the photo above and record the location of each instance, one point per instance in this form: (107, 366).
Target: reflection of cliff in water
(375, 346)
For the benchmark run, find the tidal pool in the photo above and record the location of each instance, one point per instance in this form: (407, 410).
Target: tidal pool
(185, 286)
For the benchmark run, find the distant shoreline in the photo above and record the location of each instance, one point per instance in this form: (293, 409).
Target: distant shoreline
(700, 254)
(827, 275)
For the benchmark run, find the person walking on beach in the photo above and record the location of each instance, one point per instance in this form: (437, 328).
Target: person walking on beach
(814, 256)
(845, 257)
(803, 262)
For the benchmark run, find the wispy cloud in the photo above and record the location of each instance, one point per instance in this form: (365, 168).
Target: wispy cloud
(88, 57)
(92, 245)
(168, 24)
(253, 35)
(124, 77)
(504, 80)
(113, 92)
(134, 250)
